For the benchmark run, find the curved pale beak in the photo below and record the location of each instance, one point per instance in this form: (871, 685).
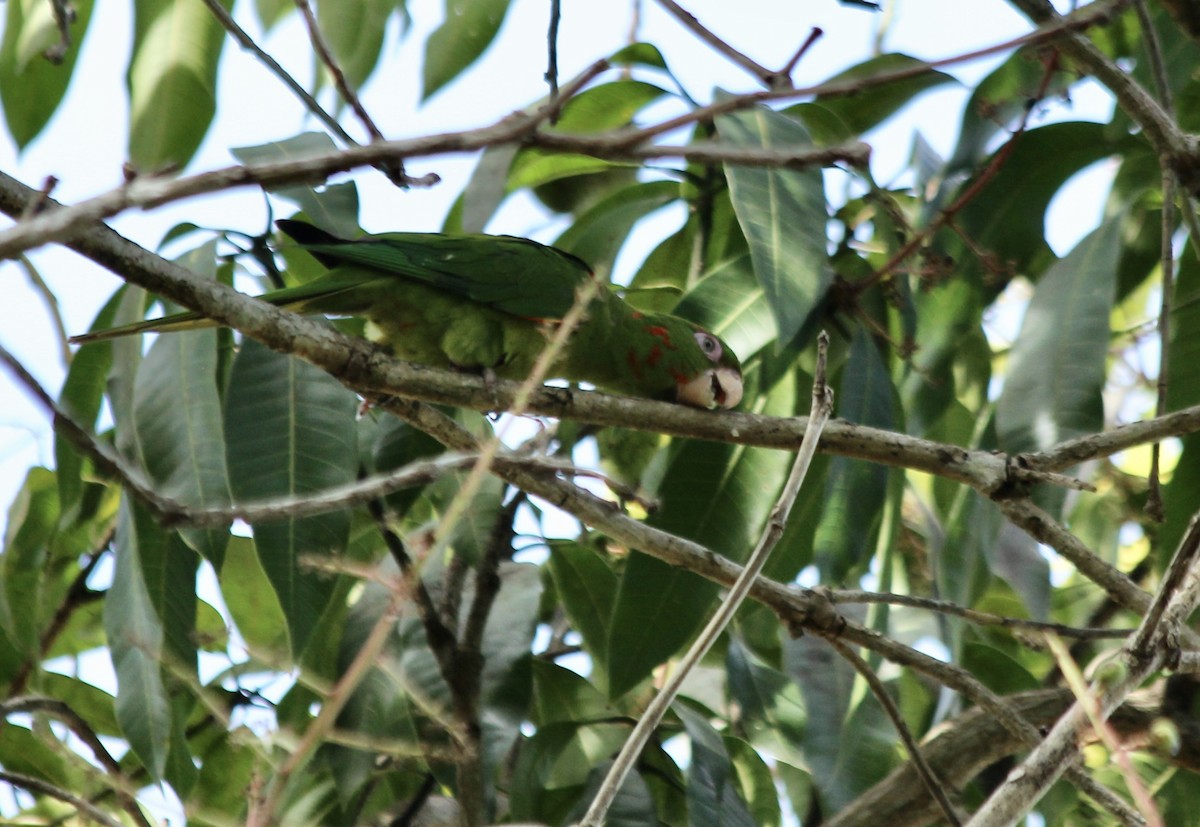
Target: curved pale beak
(721, 387)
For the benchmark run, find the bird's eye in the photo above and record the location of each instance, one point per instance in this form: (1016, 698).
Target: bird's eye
(709, 344)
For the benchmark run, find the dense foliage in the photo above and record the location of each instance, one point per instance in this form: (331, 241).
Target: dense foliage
(452, 644)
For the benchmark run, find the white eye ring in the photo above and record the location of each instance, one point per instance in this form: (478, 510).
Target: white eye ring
(709, 344)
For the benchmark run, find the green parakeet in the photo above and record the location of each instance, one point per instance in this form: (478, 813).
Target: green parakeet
(489, 303)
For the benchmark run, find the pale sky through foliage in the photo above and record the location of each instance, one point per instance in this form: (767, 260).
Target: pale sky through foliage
(84, 145)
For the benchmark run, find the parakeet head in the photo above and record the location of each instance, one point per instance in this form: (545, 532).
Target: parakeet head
(719, 381)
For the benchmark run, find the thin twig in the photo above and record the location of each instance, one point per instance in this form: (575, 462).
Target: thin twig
(37, 785)
(263, 813)
(325, 55)
(822, 407)
(1156, 644)
(925, 772)
(87, 735)
(974, 616)
(552, 53)
(1154, 501)
(246, 42)
(1087, 702)
(816, 34)
(689, 20)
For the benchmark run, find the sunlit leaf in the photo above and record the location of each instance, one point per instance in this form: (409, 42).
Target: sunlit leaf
(782, 213)
(467, 30)
(32, 87)
(172, 81)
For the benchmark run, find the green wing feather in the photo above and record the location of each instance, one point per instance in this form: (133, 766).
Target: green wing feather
(513, 275)
(509, 274)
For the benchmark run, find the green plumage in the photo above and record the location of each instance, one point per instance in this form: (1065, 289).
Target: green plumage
(489, 303)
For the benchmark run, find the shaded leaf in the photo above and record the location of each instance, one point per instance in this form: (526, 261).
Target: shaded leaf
(855, 491)
(137, 638)
(587, 588)
(1057, 368)
(712, 792)
(289, 431)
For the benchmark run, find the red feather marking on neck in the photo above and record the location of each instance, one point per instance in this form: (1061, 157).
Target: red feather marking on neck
(654, 356)
(662, 333)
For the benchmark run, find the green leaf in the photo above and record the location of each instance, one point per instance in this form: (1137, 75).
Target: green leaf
(31, 87)
(81, 395)
(177, 419)
(588, 589)
(32, 519)
(333, 207)
(875, 102)
(467, 30)
(354, 32)
(848, 742)
(712, 793)
(1057, 369)
(716, 494)
(137, 638)
(598, 235)
(507, 654)
(996, 670)
(22, 751)
(1006, 218)
(999, 99)
(289, 431)
(251, 600)
(172, 80)
(855, 491)
(782, 213)
(560, 695)
(396, 445)
(756, 782)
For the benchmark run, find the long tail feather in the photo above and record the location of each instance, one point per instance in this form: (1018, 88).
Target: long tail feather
(167, 324)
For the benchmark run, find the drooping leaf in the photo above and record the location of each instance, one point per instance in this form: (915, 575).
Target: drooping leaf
(875, 102)
(32, 87)
(289, 431)
(467, 30)
(848, 742)
(355, 32)
(1056, 372)
(32, 519)
(177, 418)
(855, 491)
(587, 588)
(137, 639)
(172, 81)
(782, 213)
(712, 791)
